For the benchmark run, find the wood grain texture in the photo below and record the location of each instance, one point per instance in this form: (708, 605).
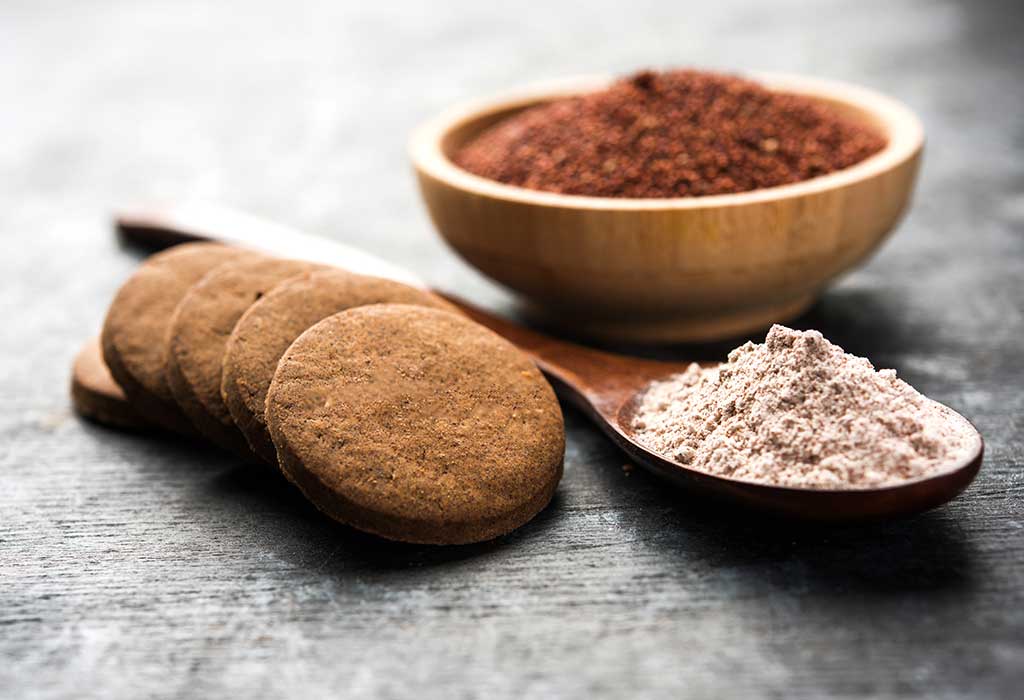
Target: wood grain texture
(137, 567)
(679, 269)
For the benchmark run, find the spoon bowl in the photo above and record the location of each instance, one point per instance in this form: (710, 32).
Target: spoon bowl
(825, 505)
(675, 269)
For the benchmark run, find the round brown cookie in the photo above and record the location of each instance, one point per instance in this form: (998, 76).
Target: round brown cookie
(416, 424)
(135, 333)
(270, 325)
(96, 396)
(199, 334)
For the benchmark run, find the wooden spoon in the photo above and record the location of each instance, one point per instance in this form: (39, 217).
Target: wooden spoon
(605, 386)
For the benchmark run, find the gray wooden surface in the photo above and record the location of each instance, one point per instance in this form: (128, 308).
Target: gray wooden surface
(133, 567)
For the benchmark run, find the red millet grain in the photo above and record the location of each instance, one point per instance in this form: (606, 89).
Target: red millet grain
(681, 133)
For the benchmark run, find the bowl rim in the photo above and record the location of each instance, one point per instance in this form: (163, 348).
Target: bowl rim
(903, 129)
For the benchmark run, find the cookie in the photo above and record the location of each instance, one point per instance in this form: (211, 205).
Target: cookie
(270, 325)
(416, 424)
(135, 332)
(96, 396)
(199, 333)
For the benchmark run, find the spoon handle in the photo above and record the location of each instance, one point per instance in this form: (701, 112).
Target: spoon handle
(162, 226)
(591, 379)
(598, 382)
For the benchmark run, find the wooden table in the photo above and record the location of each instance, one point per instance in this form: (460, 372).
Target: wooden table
(133, 567)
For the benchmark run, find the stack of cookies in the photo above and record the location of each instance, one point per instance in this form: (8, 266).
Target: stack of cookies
(390, 410)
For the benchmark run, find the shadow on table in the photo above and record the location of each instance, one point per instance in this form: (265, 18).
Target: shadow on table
(920, 554)
(348, 548)
(923, 553)
(866, 322)
(929, 552)
(862, 321)
(258, 499)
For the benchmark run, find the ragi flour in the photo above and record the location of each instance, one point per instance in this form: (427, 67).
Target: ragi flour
(798, 411)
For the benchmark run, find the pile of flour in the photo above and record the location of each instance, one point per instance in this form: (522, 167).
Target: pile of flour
(798, 411)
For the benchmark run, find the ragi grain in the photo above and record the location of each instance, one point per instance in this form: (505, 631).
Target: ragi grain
(680, 133)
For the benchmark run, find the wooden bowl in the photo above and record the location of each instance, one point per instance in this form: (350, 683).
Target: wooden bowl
(667, 270)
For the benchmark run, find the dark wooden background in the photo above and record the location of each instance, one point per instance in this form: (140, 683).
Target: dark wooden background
(133, 567)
